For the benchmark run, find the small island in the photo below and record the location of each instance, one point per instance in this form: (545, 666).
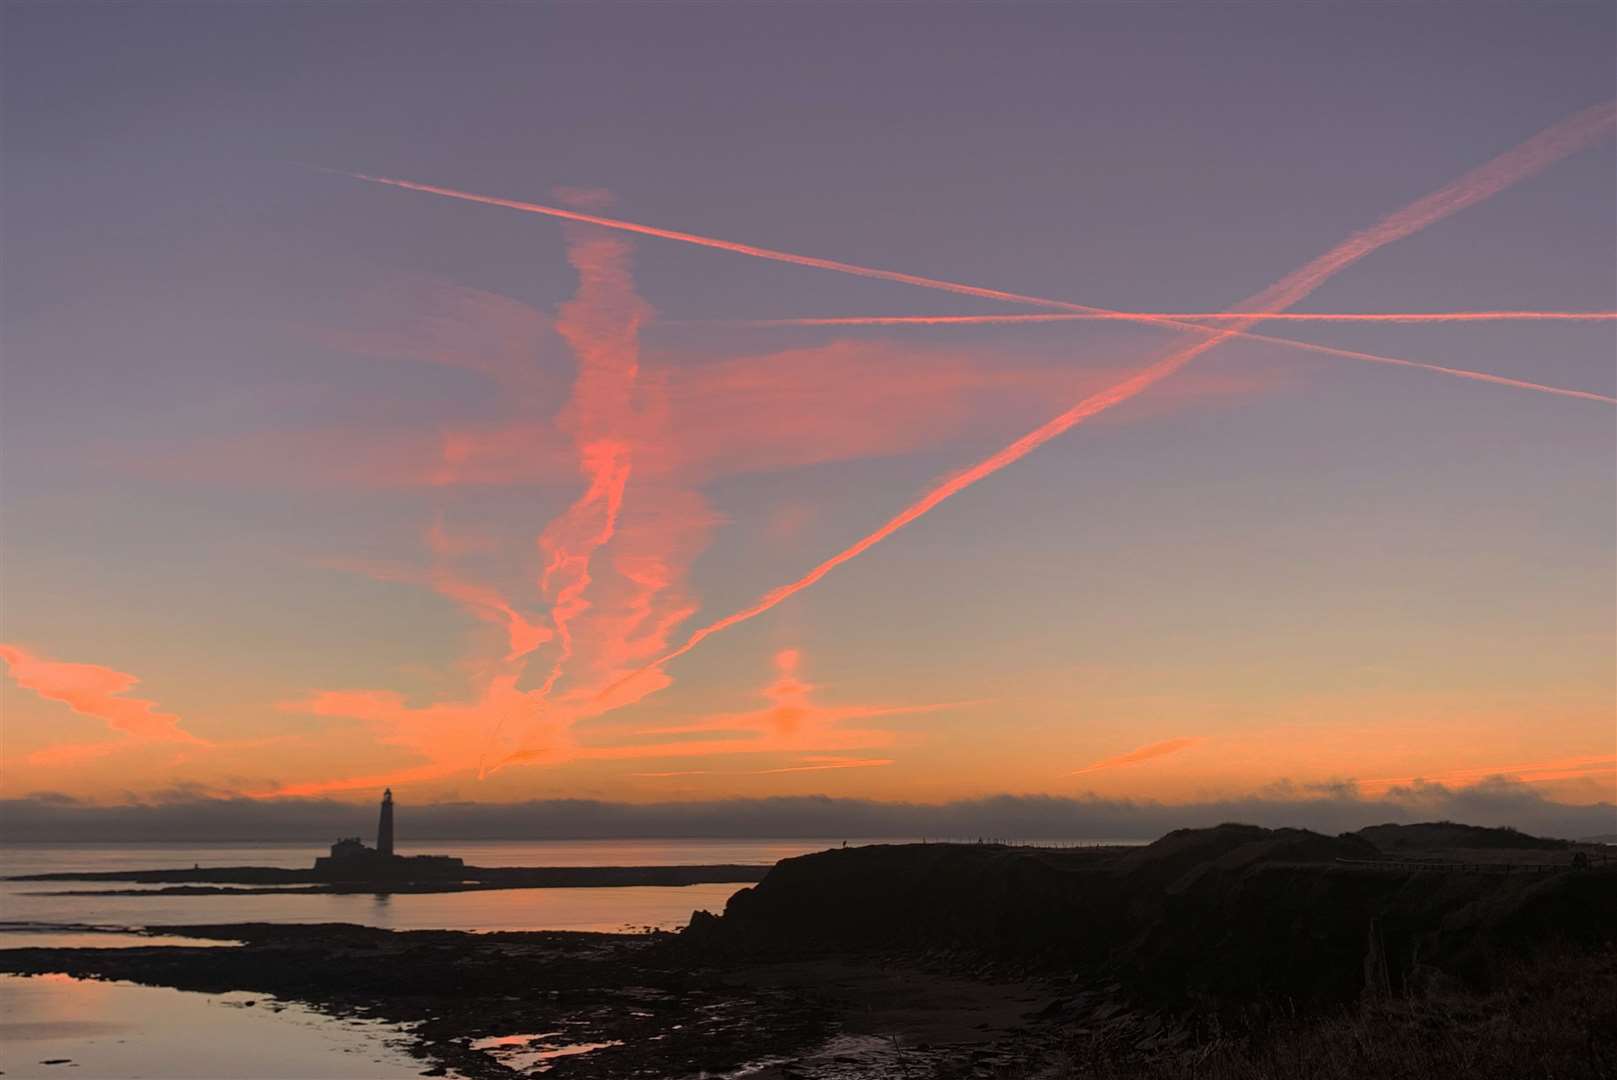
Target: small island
(351, 860)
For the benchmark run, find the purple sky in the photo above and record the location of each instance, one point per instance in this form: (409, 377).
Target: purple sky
(1274, 566)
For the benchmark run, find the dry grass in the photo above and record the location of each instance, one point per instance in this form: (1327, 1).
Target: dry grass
(1554, 1018)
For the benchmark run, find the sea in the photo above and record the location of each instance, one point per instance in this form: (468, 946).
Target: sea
(57, 1026)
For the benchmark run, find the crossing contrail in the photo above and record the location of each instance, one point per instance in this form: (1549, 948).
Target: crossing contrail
(1071, 311)
(1460, 373)
(1306, 346)
(1184, 316)
(1551, 145)
(1535, 154)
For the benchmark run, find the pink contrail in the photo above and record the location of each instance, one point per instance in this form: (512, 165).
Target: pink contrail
(1460, 373)
(1187, 316)
(1306, 346)
(731, 246)
(1143, 753)
(1530, 157)
(1551, 145)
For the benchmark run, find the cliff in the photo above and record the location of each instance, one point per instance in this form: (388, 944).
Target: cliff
(1213, 914)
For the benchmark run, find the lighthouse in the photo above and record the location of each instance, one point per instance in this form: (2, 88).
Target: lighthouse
(350, 860)
(384, 826)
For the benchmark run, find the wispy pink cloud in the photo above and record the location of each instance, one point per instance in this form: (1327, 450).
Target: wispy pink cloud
(1148, 752)
(793, 722)
(817, 764)
(699, 421)
(428, 321)
(611, 566)
(97, 692)
(810, 763)
(444, 737)
(1534, 155)
(638, 438)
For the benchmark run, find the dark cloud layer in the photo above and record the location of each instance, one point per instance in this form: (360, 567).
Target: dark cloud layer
(186, 817)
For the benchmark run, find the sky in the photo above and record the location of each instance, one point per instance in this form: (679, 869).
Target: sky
(475, 400)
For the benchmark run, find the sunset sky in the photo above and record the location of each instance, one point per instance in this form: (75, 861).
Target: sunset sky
(313, 483)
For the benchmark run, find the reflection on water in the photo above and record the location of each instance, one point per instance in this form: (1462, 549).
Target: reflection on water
(57, 1026)
(523, 1052)
(497, 1042)
(47, 937)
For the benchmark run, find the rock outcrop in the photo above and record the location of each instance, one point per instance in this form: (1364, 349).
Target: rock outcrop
(1234, 912)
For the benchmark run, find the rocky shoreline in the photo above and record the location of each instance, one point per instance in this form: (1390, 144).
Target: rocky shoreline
(640, 997)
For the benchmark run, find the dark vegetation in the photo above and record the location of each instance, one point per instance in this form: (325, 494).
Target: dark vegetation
(1551, 1016)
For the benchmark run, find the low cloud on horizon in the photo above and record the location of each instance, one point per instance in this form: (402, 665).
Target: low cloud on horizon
(190, 817)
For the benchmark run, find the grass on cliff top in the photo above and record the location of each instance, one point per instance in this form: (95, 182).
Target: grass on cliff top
(1555, 1017)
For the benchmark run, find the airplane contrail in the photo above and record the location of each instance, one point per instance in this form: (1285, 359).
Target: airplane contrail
(1182, 316)
(1480, 183)
(1306, 346)
(1566, 137)
(1460, 373)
